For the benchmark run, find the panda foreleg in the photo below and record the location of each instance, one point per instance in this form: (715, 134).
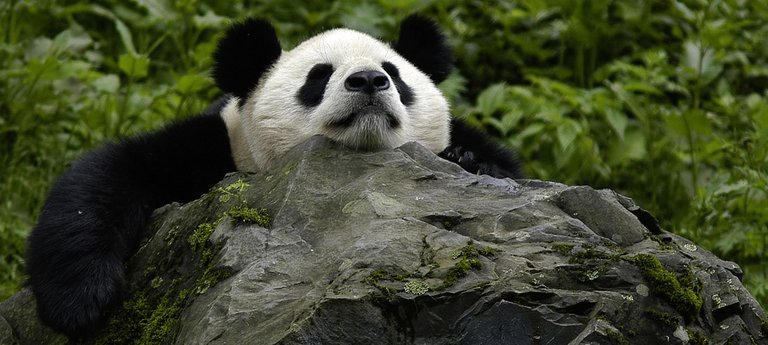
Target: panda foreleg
(95, 215)
(477, 154)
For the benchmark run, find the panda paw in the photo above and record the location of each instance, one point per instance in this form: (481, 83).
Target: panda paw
(471, 162)
(78, 306)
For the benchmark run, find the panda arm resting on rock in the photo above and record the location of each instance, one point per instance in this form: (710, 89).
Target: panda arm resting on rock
(343, 84)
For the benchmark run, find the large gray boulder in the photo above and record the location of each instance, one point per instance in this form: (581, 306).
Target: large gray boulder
(401, 247)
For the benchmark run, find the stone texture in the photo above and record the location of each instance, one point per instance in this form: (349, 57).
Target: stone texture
(401, 247)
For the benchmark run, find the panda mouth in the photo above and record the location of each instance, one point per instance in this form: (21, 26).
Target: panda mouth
(367, 115)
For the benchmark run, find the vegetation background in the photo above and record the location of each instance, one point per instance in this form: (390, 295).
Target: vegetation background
(664, 101)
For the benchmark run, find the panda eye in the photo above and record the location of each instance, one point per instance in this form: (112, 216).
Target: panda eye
(320, 71)
(391, 69)
(405, 91)
(311, 93)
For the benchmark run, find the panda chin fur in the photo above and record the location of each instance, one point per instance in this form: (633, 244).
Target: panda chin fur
(369, 128)
(370, 123)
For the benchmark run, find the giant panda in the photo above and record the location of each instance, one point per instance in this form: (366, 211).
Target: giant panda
(341, 83)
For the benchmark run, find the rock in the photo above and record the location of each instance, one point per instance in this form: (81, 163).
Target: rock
(400, 246)
(19, 323)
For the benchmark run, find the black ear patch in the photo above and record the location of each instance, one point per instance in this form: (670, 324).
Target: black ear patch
(247, 50)
(422, 43)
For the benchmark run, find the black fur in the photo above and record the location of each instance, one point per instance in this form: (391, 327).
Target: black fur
(96, 212)
(311, 93)
(405, 91)
(422, 43)
(247, 50)
(477, 154)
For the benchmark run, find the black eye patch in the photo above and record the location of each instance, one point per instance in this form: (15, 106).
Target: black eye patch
(311, 93)
(405, 91)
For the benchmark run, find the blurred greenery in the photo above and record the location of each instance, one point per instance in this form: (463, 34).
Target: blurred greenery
(664, 101)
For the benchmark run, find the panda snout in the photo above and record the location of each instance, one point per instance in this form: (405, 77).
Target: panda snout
(367, 82)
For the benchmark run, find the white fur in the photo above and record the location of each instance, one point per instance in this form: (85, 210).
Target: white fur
(272, 121)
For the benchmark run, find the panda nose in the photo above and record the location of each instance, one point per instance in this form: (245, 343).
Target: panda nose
(367, 81)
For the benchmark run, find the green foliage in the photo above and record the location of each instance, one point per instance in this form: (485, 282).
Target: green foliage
(662, 101)
(682, 292)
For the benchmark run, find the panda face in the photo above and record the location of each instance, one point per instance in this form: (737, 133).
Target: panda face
(342, 84)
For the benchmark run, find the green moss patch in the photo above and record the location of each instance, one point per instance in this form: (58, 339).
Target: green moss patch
(589, 261)
(563, 249)
(683, 293)
(468, 257)
(663, 245)
(697, 338)
(235, 189)
(199, 241)
(617, 338)
(663, 318)
(245, 214)
(374, 279)
(211, 277)
(764, 327)
(199, 238)
(162, 320)
(589, 254)
(144, 321)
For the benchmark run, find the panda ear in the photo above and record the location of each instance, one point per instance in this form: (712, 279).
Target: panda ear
(422, 43)
(247, 50)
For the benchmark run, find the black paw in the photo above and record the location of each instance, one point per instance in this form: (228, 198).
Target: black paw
(473, 163)
(76, 300)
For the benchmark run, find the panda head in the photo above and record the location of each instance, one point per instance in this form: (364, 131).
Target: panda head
(341, 83)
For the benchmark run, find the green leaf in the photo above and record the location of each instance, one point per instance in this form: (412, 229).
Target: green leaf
(629, 149)
(73, 40)
(38, 49)
(492, 99)
(122, 30)
(125, 36)
(109, 83)
(453, 86)
(158, 9)
(701, 60)
(617, 120)
(738, 186)
(531, 130)
(698, 122)
(643, 87)
(689, 123)
(210, 20)
(134, 66)
(564, 156)
(567, 131)
(191, 83)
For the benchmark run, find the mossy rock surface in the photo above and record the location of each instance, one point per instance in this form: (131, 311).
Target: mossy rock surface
(401, 247)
